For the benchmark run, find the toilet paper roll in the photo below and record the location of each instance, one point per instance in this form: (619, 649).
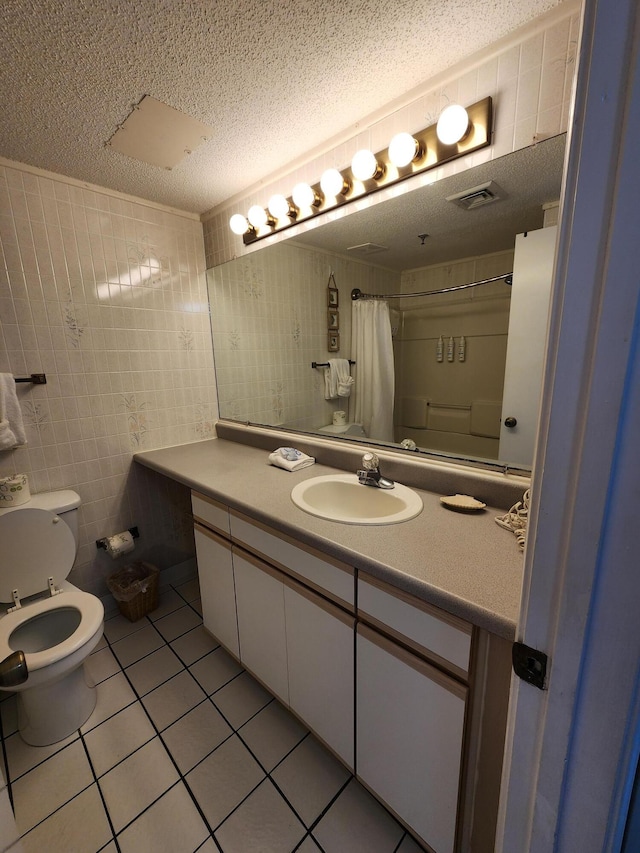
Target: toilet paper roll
(339, 418)
(119, 544)
(14, 490)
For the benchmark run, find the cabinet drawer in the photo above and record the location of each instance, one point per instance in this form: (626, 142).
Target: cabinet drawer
(439, 636)
(210, 512)
(324, 574)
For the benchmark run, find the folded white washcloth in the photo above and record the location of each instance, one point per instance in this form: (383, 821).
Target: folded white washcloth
(290, 459)
(11, 425)
(337, 379)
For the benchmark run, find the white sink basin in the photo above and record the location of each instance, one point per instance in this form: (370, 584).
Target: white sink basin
(340, 497)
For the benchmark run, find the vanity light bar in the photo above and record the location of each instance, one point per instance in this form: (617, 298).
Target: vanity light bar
(430, 151)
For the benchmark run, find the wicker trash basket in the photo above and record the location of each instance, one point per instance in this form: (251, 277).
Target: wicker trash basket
(135, 589)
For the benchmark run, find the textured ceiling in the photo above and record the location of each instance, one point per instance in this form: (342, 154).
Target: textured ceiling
(275, 78)
(527, 179)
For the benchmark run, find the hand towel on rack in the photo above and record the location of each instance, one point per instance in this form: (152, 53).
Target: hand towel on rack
(337, 379)
(12, 431)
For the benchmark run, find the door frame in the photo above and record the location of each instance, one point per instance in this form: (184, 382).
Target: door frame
(572, 749)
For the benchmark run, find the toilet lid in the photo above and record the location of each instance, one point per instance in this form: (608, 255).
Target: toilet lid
(35, 544)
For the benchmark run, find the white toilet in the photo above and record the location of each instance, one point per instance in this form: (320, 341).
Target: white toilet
(55, 624)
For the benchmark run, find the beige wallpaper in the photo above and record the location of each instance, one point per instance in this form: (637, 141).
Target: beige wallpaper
(107, 296)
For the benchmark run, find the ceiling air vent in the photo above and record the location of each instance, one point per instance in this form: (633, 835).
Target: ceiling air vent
(477, 196)
(367, 249)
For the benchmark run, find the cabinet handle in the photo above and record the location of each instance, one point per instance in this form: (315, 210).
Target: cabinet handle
(510, 422)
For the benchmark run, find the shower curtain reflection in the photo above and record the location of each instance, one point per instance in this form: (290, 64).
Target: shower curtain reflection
(372, 350)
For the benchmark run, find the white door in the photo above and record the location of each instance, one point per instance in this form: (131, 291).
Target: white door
(217, 590)
(527, 343)
(410, 721)
(321, 658)
(261, 625)
(572, 749)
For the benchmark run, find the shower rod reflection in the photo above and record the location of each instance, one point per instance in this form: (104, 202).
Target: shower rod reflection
(356, 293)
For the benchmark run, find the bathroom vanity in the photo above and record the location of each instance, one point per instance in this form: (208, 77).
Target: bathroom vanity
(382, 639)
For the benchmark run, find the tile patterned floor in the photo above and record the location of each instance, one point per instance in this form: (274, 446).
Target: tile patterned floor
(186, 752)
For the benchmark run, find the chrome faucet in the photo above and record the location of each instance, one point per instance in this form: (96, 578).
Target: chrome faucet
(369, 474)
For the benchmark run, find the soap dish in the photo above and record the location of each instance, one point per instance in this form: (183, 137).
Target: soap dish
(462, 503)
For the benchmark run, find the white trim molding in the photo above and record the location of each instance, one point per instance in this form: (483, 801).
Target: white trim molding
(572, 749)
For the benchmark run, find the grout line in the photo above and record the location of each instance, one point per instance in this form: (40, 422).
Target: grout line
(56, 810)
(40, 763)
(104, 803)
(171, 758)
(330, 804)
(314, 840)
(146, 808)
(5, 758)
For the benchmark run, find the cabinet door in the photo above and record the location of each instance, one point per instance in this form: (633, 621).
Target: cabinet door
(321, 663)
(261, 625)
(410, 720)
(215, 571)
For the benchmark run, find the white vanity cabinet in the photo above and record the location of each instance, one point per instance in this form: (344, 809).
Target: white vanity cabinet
(286, 612)
(424, 693)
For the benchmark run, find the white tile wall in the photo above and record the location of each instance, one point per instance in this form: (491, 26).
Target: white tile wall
(108, 297)
(530, 82)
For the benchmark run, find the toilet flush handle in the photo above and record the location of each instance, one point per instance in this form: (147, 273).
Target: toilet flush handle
(13, 670)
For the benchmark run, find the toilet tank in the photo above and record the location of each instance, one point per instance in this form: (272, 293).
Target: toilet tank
(64, 503)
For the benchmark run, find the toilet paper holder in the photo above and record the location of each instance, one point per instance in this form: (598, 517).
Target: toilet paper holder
(102, 543)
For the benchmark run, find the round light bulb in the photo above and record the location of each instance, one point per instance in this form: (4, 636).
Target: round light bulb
(238, 224)
(304, 196)
(453, 124)
(403, 149)
(333, 184)
(365, 166)
(257, 216)
(279, 207)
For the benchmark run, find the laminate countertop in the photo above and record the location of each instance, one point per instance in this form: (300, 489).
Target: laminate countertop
(462, 562)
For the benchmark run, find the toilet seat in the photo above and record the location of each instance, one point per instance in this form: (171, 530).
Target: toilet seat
(36, 545)
(91, 616)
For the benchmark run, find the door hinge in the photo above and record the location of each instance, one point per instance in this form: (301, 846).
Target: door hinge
(529, 664)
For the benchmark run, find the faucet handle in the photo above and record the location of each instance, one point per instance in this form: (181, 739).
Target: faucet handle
(370, 461)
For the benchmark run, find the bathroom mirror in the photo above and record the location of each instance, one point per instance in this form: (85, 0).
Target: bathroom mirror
(269, 308)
